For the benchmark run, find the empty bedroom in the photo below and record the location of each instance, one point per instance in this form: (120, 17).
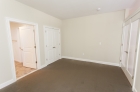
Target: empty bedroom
(70, 46)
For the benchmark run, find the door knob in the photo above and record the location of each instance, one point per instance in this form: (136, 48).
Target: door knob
(53, 47)
(126, 51)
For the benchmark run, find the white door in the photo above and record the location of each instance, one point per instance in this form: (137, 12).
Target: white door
(52, 45)
(56, 44)
(125, 45)
(27, 38)
(133, 48)
(49, 45)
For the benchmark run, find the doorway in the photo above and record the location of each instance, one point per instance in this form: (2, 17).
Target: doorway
(24, 47)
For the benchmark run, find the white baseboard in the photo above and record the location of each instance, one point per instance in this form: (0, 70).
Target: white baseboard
(94, 61)
(43, 66)
(135, 90)
(6, 83)
(12, 80)
(47, 64)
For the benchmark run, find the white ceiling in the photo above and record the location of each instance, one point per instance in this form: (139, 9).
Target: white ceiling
(65, 9)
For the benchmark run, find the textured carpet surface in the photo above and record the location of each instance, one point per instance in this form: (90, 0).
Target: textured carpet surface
(73, 76)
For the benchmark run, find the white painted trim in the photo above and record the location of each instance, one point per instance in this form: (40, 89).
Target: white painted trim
(43, 66)
(127, 74)
(8, 20)
(12, 80)
(26, 74)
(11, 49)
(7, 83)
(135, 90)
(133, 15)
(8, 30)
(94, 61)
(137, 57)
(50, 27)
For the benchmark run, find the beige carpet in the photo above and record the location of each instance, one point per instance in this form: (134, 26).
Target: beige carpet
(21, 70)
(73, 76)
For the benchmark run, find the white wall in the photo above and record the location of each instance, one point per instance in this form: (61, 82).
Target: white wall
(16, 41)
(83, 35)
(14, 9)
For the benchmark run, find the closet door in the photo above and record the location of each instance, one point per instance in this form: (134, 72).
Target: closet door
(56, 46)
(125, 45)
(133, 47)
(52, 45)
(49, 44)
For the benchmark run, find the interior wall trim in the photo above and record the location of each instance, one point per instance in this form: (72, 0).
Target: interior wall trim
(94, 61)
(133, 14)
(6, 83)
(135, 90)
(43, 66)
(7, 25)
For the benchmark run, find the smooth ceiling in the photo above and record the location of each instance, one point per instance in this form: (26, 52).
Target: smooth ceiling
(65, 9)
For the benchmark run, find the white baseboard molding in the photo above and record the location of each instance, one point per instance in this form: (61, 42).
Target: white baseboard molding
(47, 64)
(12, 80)
(43, 66)
(94, 61)
(6, 83)
(18, 61)
(135, 90)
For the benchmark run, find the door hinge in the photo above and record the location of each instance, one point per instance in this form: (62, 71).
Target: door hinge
(34, 46)
(122, 44)
(36, 61)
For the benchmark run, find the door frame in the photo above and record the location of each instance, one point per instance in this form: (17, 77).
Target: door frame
(7, 21)
(137, 57)
(45, 42)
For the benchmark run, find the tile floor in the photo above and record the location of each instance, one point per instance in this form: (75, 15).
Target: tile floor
(21, 70)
